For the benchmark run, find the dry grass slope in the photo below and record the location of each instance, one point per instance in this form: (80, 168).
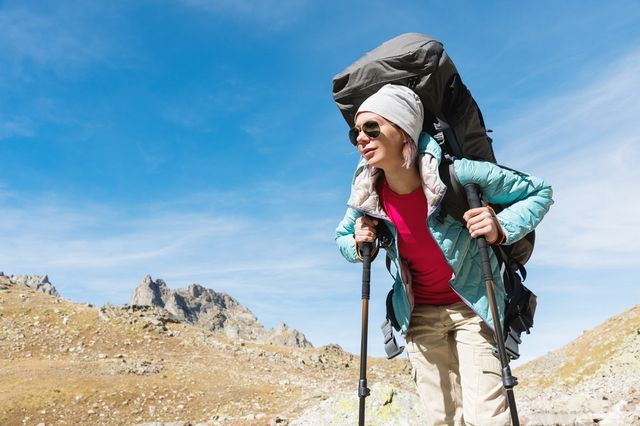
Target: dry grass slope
(65, 363)
(583, 357)
(594, 379)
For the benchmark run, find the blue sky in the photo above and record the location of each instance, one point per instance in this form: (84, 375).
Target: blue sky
(197, 141)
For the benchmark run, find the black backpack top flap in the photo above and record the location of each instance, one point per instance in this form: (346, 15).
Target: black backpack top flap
(395, 61)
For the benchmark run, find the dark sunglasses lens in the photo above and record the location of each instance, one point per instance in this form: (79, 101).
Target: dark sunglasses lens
(353, 136)
(371, 129)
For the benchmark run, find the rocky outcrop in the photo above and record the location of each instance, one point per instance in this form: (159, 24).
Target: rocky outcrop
(4, 282)
(386, 405)
(36, 282)
(213, 311)
(284, 335)
(150, 293)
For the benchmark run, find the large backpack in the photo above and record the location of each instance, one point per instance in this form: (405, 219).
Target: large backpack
(420, 63)
(453, 118)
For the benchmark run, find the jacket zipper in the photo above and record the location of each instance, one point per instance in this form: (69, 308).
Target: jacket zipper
(466, 302)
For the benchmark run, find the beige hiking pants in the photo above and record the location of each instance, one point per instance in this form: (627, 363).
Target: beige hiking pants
(457, 376)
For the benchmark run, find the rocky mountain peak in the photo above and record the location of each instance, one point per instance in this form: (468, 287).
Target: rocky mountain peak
(150, 293)
(36, 282)
(214, 311)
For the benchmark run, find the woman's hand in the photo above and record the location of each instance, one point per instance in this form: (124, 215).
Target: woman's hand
(365, 229)
(482, 222)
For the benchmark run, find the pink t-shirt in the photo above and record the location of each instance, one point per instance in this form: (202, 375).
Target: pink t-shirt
(430, 271)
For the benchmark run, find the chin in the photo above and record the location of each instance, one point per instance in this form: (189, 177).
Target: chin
(373, 163)
(379, 162)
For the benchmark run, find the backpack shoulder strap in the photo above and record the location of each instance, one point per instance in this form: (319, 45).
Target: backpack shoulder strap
(455, 201)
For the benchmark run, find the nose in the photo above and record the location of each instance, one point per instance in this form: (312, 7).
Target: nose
(362, 138)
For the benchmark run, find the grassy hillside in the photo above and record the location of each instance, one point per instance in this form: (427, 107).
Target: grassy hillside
(65, 363)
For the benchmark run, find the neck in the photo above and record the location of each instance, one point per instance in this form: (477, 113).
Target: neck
(403, 181)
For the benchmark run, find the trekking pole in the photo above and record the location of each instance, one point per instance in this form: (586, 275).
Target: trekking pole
(508, 380)
(363, 391)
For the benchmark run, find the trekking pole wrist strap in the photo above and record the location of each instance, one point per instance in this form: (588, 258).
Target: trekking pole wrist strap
(374, 252)
(502, 235)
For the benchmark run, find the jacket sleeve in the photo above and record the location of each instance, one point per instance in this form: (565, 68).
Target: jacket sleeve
(345, 235)
(528, 198)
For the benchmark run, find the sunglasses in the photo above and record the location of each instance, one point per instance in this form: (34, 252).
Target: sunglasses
(370, 128)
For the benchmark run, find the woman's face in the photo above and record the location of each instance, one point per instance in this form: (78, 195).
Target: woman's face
(384, 151)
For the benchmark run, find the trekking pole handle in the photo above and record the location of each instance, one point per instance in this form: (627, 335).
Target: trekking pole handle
(365, 251)
(473, 198)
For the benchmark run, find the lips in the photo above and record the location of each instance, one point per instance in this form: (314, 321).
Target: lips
(367, 153)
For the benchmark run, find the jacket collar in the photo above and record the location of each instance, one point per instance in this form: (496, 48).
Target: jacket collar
(364, 196)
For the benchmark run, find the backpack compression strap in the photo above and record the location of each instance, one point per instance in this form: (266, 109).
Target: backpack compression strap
(391, 346)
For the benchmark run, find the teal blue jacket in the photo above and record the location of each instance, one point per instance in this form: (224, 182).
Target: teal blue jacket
(528, 197)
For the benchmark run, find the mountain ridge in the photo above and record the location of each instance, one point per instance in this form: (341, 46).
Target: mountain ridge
(214, 311)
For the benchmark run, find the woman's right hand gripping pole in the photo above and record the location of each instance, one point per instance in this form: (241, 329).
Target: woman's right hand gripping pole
(365, 232)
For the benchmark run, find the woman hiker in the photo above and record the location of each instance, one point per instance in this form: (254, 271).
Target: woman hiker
(443, 305)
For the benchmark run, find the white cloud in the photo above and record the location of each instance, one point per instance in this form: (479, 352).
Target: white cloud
(53, 235)
(15, 126)
(38, 38)
(63, 36)
(586, 144)
(100, 248)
